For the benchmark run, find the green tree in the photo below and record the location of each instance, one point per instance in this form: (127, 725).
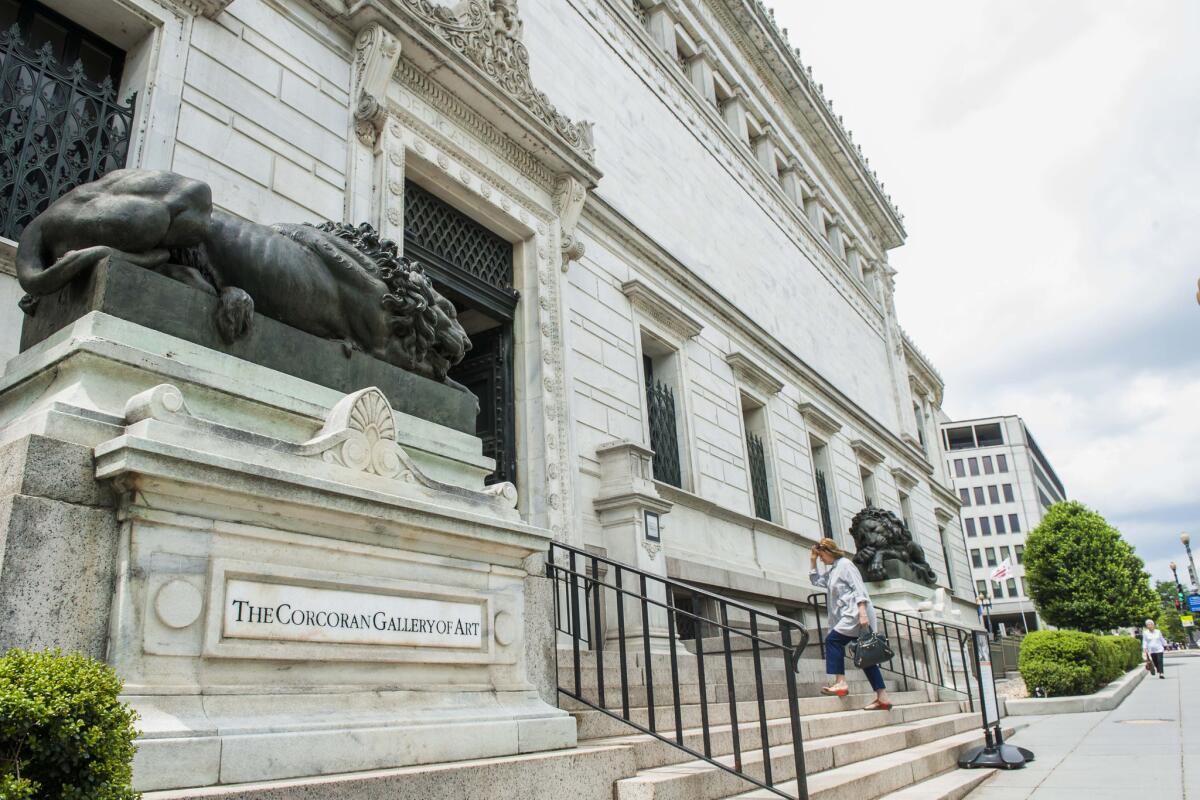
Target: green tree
(1083, 575)
(1168, 621)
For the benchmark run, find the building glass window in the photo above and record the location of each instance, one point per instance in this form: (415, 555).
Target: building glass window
(973, 466)
(970, 523)
(1011, 583)
(991, 556)
(959, 470)
(965, 496)
(979, 496)
(1008, 493)
(1014, 523)
(981, 588)
(754, 425)
(999, 520)
(960, 438)
(976, 559)
(989, 435)
(867, 476)
(1001, 463)
(1019, 549)
(987, 465)
(820, 456)
(1024, 587)
(993, 494)
(1005, 554)
(985, 526)
(997, 590)
(661, 418)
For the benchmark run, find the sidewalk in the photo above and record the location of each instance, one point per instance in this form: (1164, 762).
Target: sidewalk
(1141, 749)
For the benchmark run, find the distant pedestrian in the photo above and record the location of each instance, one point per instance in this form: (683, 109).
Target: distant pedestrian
(850, 612)
(1153, 645)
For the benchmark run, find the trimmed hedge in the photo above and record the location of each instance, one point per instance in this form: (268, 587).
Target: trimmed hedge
(63, 732)
(1062, 663)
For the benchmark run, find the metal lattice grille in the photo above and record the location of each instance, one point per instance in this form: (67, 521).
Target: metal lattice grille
(758, 477)
(823, 500)
(660, 401)
(455, 237)
(58, 129)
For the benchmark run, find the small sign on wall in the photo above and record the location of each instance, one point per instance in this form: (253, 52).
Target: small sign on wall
(652, 530)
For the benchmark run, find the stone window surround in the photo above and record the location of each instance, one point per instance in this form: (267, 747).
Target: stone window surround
(754, 383)
(773, 182)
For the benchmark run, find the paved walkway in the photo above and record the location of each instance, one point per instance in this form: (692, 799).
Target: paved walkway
(1146, 749)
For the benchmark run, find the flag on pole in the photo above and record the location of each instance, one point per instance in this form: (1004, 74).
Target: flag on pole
(1004, 570)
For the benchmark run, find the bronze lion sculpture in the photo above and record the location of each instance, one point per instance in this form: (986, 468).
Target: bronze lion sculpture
(335, 281)
(880, 535)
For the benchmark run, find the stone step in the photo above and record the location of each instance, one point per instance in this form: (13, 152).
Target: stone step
(596, 724)
(652, 752)
(953, 785)
(700, 780)
(874, 778)
(582, 773)
(718, 692)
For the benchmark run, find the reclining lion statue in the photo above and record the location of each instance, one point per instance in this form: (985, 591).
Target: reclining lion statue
(334, 280)
(880, 535)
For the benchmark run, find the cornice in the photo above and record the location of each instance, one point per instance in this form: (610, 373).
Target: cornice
(748, 371)
(658, 308)
(818, 420)
(906, 480)
(866, 453)
(943, 516)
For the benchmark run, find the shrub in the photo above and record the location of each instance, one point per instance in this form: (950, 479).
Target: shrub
(63, 733)
(1073, 662)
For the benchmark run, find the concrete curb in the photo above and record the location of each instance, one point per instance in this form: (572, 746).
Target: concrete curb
(1106, 699)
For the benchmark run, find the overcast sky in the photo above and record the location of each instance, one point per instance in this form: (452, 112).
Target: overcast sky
(1046, 156)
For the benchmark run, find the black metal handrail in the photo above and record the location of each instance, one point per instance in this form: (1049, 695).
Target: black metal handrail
(586, 584)
(919, 646)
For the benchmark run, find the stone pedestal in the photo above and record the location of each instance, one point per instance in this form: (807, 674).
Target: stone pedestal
(291, 581)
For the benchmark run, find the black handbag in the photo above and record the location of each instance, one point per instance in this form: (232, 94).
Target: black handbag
(870, 649)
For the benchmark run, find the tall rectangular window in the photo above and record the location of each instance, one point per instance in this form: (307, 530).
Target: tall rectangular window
(754, 423)
(1019, 549)
(993, 494)
(1001, 463)
(1024, 587)
(997, 590)
(1014, 523)
(867, 476)
(823, 474)
(987, 465)
(944, 538)
(970, 524)
(973, 465)
(976, 559)
(965, 496)
(999, 521)
(979, 496)
(1008, 493)
(1006, 554)
(981, 588)
(1012, 587)
(985, 526)
(991, 556)
(906, 512)
(658, 368)
(959, 470)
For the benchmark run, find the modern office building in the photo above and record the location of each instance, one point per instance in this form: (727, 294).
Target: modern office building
(1005, 484)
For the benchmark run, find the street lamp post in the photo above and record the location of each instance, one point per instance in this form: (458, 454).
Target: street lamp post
(985, 605)
(1187, 545)
(1179, 590)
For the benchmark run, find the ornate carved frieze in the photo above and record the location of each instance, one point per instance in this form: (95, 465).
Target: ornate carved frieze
(569, 197)
(489, 35)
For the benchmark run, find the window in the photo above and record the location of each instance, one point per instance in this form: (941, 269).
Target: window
(998, 520)
(981, 588)
(959, 471)
(1005, 554)
(979, 496)
(970, 523)
(960, 438)
(920, 419)
(944, 538)
(906, 512)
(976, 559)
(991, 556)
(989, 435)
(658, 366)
(1008, 493)
(973, 465)
(1011, 583)
(985, 526)
(997, 591)
(1014, 523)
(1045, 501)
(993, 494)
(755, 426)
(821, 470)
(987, 465)
(1001, 463)
(965, 496)
(61, 129)
(867, 476)
(1024, 587)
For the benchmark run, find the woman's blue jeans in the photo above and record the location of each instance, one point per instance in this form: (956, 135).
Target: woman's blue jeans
(835, 659)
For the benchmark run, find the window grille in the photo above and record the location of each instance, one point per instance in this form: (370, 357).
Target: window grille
(58, 129)
(823, 501)
(758, 477)
(447, 233)
(664, 441)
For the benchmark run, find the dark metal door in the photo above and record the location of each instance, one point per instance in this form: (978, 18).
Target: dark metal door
(487, 371)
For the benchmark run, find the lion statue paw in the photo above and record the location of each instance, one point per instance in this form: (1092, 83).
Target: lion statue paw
(235, 314)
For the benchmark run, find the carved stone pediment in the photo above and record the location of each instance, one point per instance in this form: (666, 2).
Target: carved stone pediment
(474, 48)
